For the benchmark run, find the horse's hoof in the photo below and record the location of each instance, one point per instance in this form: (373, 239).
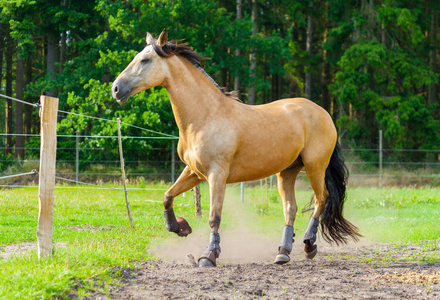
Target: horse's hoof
(281, 259)
(208, 259)
(184, 228)
(310, 250)
(205, 263)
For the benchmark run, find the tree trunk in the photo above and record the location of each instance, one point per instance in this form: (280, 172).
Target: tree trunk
(2, 42)
(325, 77)
(308, 79)
(19, 138)
(28, 108)
(52, 59)
(8, 109)
(237, 54)
(253, 56)
(432, 91)
(224, 76)
(63, 50)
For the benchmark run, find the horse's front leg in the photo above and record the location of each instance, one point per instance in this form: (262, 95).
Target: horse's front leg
(186, 181)
(217, 187)
(286, 188)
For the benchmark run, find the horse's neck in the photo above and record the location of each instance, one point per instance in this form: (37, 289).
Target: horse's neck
(193, 97)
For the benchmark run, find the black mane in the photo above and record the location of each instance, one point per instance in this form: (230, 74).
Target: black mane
(173, 48)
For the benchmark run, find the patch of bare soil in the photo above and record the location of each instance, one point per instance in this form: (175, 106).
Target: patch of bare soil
(7, 251)
(365, 272)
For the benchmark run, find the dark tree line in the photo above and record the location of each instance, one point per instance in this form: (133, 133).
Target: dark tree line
(373, 65)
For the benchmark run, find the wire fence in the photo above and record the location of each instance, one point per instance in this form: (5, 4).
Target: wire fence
(63, 165)
(392, 173)
(373, 167)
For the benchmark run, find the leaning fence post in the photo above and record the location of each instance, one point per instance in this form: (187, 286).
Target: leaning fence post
(197, 202)
(123, 173)
(46, 185)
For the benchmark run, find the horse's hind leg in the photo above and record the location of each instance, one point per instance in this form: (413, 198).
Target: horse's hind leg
(316, 174)
(286, 188)
(186, 181)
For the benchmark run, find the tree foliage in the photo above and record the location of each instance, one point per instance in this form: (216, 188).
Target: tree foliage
(374, 57)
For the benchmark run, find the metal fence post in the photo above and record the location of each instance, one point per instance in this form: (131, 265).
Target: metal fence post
(242, 192)
(380, 157)
(77, 158)
(173, 160)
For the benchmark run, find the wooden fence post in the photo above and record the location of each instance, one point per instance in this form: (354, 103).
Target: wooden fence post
(121, 156)
(46, 186)
(197, 202)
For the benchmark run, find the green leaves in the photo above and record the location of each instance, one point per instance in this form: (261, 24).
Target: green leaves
(385, 81)
(402, 23)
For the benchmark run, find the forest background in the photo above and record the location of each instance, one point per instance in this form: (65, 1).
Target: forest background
(372, 64)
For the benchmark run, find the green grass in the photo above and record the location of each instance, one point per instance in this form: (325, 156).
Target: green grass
(382, 215)
(92, 233)
(396, 215)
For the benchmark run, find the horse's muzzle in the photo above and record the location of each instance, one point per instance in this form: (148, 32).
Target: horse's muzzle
(119, 93)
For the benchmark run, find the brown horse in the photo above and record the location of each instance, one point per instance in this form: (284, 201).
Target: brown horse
(225, 141)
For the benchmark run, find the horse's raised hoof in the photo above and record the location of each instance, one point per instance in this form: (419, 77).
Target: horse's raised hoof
(207, 259)
(310, 250)
(281, 259)
(184, 228)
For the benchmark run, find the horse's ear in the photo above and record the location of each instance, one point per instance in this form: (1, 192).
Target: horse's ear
(163, 38)
(149, 38)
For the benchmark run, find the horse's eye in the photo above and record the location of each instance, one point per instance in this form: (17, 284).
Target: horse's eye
(145, 60)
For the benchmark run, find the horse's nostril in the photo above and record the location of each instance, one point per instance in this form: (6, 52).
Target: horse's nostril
(116, 89)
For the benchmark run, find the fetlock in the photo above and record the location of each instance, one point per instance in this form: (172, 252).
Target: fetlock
(170, 220)
(285, 246)
(312, 229)
(287, 240)
(210, 255)
(214, 244)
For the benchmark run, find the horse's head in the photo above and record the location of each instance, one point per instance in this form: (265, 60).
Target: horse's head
(145, 71)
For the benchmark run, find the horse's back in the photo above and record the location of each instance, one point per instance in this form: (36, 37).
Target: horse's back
(300, 111)
(270, 137)
(320, 133)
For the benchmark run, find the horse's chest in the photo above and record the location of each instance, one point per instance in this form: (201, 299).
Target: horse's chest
(192, 157)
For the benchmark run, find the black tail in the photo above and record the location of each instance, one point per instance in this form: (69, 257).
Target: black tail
(334, 227)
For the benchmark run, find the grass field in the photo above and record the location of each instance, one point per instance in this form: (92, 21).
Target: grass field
(92, 233)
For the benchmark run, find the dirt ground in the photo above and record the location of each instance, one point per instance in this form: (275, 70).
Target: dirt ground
(245, 271)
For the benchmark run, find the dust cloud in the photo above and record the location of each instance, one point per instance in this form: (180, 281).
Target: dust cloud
(240, 242)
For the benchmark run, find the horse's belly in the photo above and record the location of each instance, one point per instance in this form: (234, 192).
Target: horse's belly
(260, 165)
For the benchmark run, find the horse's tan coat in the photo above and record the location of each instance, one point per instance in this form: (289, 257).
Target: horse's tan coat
(224, 141)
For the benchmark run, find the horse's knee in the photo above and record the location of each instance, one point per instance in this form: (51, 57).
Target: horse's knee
(214, 222)
(294, 208)
(168, 201)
